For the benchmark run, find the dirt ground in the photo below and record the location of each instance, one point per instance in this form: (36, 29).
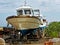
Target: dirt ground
(58, 43)
(25, 44)
(41, 42)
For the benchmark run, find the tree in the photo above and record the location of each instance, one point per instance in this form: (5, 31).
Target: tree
(53, 29)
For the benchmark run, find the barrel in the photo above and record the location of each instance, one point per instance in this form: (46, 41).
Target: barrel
(48, 43)
(2, 41)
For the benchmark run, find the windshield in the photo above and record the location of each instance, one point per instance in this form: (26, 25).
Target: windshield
(36, 12)
(27, 11)
(20, 12)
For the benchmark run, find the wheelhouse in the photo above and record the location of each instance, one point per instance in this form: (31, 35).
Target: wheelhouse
(26, 10)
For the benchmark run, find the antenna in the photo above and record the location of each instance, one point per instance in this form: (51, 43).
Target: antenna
(25, 2)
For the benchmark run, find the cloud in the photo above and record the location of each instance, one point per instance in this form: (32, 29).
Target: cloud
(7, 6)
(49, 5)
(57, 2)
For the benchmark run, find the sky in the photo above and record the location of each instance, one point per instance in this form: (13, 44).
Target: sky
(49, 8)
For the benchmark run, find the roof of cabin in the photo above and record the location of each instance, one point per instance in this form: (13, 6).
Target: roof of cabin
(24, 7)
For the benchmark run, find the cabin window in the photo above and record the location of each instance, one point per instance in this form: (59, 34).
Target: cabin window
(27, 11)
(20, 12)
(36, 12)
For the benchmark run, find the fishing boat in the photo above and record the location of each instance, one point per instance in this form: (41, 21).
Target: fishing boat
(26, 20)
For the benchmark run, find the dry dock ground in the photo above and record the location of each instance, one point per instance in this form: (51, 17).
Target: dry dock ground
(58, 43)
(34, 43)
(26, 44)
(41, 42)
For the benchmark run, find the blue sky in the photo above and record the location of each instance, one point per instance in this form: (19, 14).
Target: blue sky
(49, 8)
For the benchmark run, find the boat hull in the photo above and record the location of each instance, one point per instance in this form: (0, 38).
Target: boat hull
(23, 22)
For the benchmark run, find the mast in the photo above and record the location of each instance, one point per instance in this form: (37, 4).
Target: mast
(25, 3)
